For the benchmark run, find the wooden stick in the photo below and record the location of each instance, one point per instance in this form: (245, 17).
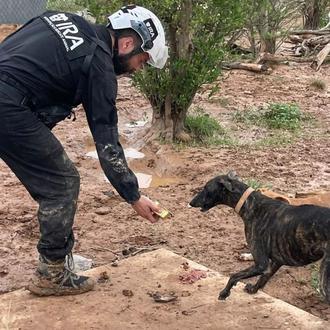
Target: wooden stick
(313, 32)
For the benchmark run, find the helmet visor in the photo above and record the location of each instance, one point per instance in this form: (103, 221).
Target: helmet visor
(141, 29)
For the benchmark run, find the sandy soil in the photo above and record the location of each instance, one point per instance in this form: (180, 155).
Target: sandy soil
(105, 224)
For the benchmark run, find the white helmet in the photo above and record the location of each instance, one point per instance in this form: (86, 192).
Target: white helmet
(147, 25)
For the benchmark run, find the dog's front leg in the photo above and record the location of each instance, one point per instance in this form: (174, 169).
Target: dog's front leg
(325, 275)
(263, 279)
(261, 264)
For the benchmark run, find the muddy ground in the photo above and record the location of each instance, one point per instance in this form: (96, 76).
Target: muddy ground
(105, 224)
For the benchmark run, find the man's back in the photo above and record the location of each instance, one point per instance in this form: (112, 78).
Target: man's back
(47, 60)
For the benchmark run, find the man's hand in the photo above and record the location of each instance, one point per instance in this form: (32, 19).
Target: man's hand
(146, 208)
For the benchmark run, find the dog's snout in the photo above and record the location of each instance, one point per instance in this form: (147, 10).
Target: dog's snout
(195, 202)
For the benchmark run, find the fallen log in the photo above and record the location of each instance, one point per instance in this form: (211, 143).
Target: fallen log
(318, 41)
(320, 57)
(254, 67)
(312, 32)
(265, 58)
(295, 39)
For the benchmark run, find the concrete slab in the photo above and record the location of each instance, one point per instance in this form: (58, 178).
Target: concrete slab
(197, 306)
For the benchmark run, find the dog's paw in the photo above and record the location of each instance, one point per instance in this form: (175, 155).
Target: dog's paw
(250, 288)
(223, 295)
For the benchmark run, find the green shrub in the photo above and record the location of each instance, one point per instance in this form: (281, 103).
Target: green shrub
(318, 84)
(65, 5)
(283, 116)
(201, 126)
(274, 116)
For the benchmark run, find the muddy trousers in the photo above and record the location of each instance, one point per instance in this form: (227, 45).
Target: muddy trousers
(39, 161)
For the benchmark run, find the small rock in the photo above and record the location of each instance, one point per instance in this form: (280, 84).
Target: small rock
(185, 265)
(187, 313)
(163, 297)
(103, 210)
(26, 218)
(128, 293)
(4, 272)
(114, 263)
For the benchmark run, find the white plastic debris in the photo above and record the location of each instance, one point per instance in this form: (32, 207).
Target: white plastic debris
(133, 153)
(246, 257)
(92, 154)
(144, 180)
(81, 263)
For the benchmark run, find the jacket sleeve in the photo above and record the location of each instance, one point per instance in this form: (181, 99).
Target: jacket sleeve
(99, 101)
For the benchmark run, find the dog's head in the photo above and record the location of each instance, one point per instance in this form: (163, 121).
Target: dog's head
(217, 191)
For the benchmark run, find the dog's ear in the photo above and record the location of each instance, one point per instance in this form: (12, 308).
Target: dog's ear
(227, 184)
(232, 175)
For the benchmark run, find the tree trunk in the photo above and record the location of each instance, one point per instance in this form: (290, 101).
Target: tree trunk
(267, 37)
(312, 14)
(168, 122)
(168, 116)
(178, 128)
(268, 44)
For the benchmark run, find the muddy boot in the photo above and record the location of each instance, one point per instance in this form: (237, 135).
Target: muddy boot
(56, 278)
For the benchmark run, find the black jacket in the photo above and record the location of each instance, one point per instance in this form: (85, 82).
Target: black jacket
(62, 59)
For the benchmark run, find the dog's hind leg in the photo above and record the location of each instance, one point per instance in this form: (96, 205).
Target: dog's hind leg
(261, 264)
(325, 275)
(263, 279)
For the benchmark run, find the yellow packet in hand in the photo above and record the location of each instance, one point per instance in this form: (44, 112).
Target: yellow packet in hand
(163, 213)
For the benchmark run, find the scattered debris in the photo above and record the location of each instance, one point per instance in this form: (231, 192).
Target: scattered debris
(103, 277)
(185, 294)
(132, 251)
(163, 297)
(311, 43)
(137, 123)
(102, 248)
(193, 276)
(128, 293)
(187, 313)
(129, 251)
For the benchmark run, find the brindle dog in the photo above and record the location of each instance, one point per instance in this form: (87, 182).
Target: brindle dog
(277, 233)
